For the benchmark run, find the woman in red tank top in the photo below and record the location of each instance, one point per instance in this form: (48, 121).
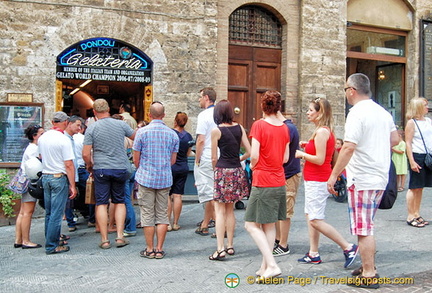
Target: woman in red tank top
(318, 156)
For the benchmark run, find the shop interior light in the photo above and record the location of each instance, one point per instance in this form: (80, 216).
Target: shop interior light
(74, 91)
(85, 83)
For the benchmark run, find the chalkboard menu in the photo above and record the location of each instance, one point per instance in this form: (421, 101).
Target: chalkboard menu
(14, 119)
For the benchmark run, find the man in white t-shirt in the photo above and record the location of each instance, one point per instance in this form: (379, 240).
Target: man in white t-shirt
(58, 178)
(369, 135)
(203, 170)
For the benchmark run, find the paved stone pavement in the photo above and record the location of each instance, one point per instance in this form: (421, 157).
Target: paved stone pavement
(402, 252)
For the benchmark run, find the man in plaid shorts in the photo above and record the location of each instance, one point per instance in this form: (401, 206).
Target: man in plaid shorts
(369, 135)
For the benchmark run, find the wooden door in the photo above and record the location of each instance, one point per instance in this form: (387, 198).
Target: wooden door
(251, 72)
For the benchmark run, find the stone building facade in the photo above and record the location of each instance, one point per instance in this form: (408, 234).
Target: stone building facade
(189, 42)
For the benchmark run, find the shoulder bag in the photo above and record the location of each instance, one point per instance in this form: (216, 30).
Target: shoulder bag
(19, 183)
(428, 157)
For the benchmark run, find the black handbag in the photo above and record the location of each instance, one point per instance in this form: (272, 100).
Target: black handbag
(428, 157)
(35, 188)
(390, 193)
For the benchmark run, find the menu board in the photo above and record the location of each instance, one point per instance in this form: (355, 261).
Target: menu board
(14, 119)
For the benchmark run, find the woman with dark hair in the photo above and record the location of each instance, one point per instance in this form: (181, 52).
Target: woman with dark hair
(230, 183)
(179, 170)
(267, 202)
(318, 156)
(23, 222)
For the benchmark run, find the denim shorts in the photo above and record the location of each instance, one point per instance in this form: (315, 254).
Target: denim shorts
(110, 183)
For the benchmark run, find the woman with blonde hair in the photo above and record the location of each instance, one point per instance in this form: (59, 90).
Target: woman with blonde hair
(418, 136)
(318, 156)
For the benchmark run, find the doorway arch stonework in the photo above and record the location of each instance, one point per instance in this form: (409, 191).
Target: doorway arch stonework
(288, 13)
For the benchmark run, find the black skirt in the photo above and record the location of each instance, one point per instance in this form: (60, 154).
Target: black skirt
(422, 179)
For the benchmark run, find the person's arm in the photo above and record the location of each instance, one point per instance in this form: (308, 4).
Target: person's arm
(255, 147)
(199, 148)
(173, 158)
(344, 157)
(409, 136)
(394, 138)
(246, 144)
(287, 152)
(320, 141)
(215, 136)
(87, 157)
(70, 172)
(136, 158)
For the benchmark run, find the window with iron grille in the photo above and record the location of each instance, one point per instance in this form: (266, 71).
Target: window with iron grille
(255, 26)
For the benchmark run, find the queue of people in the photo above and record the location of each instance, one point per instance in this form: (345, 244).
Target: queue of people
(118, 155)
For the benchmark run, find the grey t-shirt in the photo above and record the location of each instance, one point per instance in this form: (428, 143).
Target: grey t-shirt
(107, 138)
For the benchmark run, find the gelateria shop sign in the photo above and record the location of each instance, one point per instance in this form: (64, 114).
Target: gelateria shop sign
(104, 59)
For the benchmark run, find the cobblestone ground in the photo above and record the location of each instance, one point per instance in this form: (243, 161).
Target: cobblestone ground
(402, 251)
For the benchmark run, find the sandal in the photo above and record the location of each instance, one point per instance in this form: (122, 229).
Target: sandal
(120, 242)
(214, 235)
(422, 221)
(400, 189)
(59, 249)
(415, 223)
(218, 256)
(230, 251)
(159, 254)
(63, 242)
(175, 227)
(147, 254)
(64, 237)
(105, 244)
(202, 231)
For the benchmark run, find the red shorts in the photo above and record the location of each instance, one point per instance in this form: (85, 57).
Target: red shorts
(362, 207)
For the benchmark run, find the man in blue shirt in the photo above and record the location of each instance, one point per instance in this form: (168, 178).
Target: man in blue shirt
(155, 150)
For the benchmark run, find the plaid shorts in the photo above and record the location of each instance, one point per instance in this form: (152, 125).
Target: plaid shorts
(362, 207)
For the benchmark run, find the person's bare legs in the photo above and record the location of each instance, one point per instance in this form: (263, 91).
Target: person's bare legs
(264, 235)
(230, 222)
(102, 220)
(177, 207)
(282, 232)
(170, 207)
(220, 210)
(149, 232)
(111, 217)
(120, 217)
(208, 213)
(402, 181)
(413, 199)
(313, 238)
(330, 232)
(23, 223)
(367, 254)
(161, 231)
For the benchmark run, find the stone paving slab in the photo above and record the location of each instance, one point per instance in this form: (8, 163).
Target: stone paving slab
(402, 251)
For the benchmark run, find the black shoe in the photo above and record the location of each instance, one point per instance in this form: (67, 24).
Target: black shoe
(31, 246)
(17, 245)
(365, 282)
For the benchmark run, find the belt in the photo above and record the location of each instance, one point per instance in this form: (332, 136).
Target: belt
(57, 175)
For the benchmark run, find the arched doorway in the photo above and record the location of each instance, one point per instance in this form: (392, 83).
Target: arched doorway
(103, 68)
(254, 65)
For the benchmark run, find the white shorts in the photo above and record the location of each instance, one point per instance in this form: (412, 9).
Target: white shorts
(204, 181)
(316, 195)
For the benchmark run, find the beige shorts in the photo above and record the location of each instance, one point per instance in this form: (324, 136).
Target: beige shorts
(204, 181)
(153, 205)
(291, 187)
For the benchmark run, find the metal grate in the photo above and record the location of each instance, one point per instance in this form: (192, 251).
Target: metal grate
(253, 25)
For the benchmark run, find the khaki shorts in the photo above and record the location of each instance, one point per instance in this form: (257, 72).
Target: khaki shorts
(266, 205)
(153, 205)
(291, 187)
(204, 181)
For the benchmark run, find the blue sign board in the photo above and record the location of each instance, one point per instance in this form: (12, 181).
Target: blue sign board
(104, 59)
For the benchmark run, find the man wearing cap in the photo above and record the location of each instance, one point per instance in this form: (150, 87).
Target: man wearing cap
(109, 165)
(58, 179)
